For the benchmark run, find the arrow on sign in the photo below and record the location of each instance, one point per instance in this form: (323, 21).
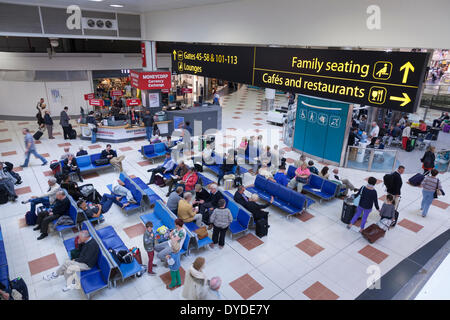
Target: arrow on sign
(405, 99)
(407, 67)
(174, 54)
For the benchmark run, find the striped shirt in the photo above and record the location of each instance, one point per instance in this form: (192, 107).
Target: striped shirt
(430, 184)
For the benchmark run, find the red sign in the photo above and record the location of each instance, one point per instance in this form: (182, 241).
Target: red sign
(144, 59)
(165, 90)
(89, 96)
(186, 90)
(116, 93)
(97, 102)
(133, 102)
(151, 80)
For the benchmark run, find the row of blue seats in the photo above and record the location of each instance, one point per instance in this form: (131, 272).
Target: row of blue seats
(153, 151)
(216, 168)
(151, 195)
(4, 272)
(241, 216)
(285, 198)
(136, 191)
(87, 163)
(101, 275)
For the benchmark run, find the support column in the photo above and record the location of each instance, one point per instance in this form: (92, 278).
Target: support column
(149, 64)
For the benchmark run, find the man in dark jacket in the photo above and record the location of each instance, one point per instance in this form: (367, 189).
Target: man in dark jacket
(396, 186)
(61, 207)
(148, 121)
(88, 255)
(240, 197)
(48, 121)
(70, 165)
(256, 209)
(111, 155)
(213, 202)
(64, 122)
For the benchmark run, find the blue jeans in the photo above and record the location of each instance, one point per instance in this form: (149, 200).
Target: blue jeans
(107, 201)
(44, 201)
(148, 132)
(428, 197)
(93, 136)
(36, 155)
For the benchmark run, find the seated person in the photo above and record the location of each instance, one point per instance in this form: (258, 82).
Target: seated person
(8, 181)
(71, 188)
(265, 171)
(208, 159)
(47, 199)
(70, 165)
(324, 172)
(66, 154)
(345, 182)
(8, 167)
(312, 168)
(256, 209)
(169, 143)
(82, 152)
(212, 203)
(226, 167)
(174, 199)
(301, 178)
(201, 195)
(167, 167)
(178, 174)
(60, 207)
(281, 177)
(119, 188)
(189, 180)
(178, 234)
(91, 210)
(240, 197)
(87, 259)
(422, 126)
(437, 122)
(113, 159)
(156, 139)
(298, 163)
(187, 212)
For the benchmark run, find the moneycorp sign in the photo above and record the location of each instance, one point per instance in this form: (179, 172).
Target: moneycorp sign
(390, 80)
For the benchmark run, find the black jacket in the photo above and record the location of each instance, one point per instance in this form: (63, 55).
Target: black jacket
(66, 168)
(105, 154)
(214, 199)
(61, 207)
(72, 190)
(368, 199)
(428, 160)
(48, 120)
(82, 153)
(240, 199)
(88, 253)
(396, 185)
(256, 210)
(148, 120)
(202, 195)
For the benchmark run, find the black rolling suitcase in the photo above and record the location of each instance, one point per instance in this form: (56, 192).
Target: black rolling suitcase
(37, 135)
(348, 211)
(262, 228)
(72, 134)
(417, 179)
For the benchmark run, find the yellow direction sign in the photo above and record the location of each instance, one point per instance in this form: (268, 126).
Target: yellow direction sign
(407, 67)
(174, 54)
(405, 99)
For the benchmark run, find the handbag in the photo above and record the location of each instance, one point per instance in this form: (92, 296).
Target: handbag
(201, 232)
(356, 200)
(437, 192)
(101, 162)
(301, 180)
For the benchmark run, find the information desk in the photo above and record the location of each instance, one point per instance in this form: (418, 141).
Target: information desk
(122, 133)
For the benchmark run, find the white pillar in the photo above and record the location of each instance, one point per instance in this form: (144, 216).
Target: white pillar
(150, 56)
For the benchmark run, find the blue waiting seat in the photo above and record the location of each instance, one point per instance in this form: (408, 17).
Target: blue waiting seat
(241, 216)
(153, 151)
(4, 270)
(322, 188)
(152, 196)
(137, 194)
(87, 163)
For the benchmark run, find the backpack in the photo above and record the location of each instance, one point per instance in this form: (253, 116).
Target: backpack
(159, 181)
(388, 180)
(125, 256)
(114, 256)
(20, 285)
(3, 194)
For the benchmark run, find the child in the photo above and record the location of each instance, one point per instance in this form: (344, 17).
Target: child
(387, 212)
(149, 246)
(173, 260)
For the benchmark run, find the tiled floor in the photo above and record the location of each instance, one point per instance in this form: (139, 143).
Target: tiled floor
(331, 264)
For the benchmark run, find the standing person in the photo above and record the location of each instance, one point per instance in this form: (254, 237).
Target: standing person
(430, 186)
(187, 126)
(148, 121)
(30, 149)
(64, 122)
(363, 123)
(149, 246)
(216, 98)
(367, 199)
(173, 260)
(428, 159)
(92, 124)
(395, 188)
(374, 133)
(195, 283)
(406, 133)
(221, 219)
(48, 121)
(111, 155)
(133, 115)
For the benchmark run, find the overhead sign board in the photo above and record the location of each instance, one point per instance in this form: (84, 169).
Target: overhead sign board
(151, 80)
(390, 80)
(89, 96)
(133, 102)
(96, 102)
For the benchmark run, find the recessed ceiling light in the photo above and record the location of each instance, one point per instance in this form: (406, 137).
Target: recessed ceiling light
(116, 5)
(96, 0)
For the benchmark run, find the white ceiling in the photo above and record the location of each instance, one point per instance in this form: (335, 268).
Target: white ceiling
(135, 6)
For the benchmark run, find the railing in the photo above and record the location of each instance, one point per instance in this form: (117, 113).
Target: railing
(370, 159)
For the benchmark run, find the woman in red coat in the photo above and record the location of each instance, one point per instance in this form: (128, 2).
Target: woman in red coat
(189, 180)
